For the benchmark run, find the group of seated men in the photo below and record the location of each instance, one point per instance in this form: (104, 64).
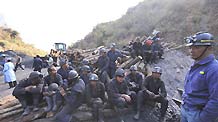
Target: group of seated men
(149, 48)
(65, 89)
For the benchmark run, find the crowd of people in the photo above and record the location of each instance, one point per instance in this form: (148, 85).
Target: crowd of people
(149, 48)
(104, 84)
(100, 85)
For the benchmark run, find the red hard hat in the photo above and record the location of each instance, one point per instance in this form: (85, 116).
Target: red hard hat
(148, 42)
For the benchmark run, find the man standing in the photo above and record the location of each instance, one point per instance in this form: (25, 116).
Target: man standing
(18, 63)
(37, 63)
(103, 64)
(9, 75)
(150, 92)
(157, 50)
(113, 55)
(200, 97)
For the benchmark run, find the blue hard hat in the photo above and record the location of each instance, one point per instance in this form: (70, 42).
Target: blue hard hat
(85, 61)
(93, 77)
(73, 74)
(120, 72)
(200, 39)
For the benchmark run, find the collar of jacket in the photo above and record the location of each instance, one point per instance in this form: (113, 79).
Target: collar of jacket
(206, 60)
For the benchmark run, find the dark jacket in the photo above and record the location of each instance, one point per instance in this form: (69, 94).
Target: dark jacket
(146, 48)
(57, 79)
(115, 89)
(85, 77)
(137, 46)
(64, 73)
(154, 85)
(103, 63)
(113, 55)
(37, 63)
(136, 79)
(20, 88)
(156, 47)
(75, 93)
(97, 92)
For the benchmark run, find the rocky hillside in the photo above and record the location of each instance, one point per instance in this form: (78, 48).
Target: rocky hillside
(176, 19)
(10, 40)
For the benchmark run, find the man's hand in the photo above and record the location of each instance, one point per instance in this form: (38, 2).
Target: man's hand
(150, 94)
(157, 96)
(62, 91)
(50, 93)
(126, 97)
(29, 88)
(133, 84)
(45, 94)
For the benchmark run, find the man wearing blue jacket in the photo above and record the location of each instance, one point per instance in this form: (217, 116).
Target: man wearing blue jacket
(200, 97)
(37, 63)
(103, 64)
(113, 55)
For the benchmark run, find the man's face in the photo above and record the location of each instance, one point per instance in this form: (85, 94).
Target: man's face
(53, 71)
(133, 72)
(158, 35)
(65, 65)
(119, 79)
(197, 51)
(93, 83)
(36, 81)
(156, 75)
(84, 72)
(113, 49)
(103, 53)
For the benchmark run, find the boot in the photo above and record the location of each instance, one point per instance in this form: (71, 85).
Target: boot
(49, 104)
(36, 102)
(14, 83)
(117, 110)
(35, 108)
(23, 103)
(139, 102)
(50, 114)
(95, 112)
(100, 115)
(26, 111)
(136, 117)
(10, 85)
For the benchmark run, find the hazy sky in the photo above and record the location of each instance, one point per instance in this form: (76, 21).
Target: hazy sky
(43, 22)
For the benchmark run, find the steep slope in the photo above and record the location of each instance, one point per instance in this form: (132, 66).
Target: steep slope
(10, 40)
(176, 20)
